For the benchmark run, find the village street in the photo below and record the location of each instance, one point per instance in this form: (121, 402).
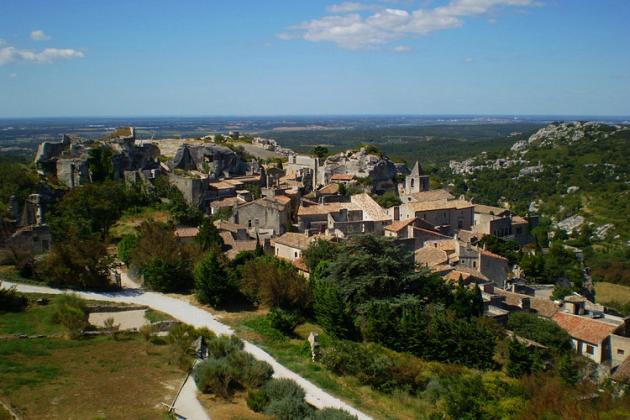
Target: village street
(197, 317)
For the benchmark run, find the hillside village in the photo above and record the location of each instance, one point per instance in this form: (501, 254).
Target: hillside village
(287, 205)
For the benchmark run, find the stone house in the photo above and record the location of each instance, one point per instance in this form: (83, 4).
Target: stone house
(31, 239)
(449, 214)
(265, 213)
(597, 335)
(291, 245)
(502, 223)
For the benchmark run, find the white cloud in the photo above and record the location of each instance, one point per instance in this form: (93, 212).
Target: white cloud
(39, 35)
(349, 7)
(350, 29)
(468, 60)
(11, 55)
(401, 49)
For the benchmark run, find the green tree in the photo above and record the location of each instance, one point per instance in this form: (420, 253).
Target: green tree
(208, 236)
(212, 283)
(320, 151)
(162, 259)
(519, 360)
(276, 284)
(318, 251)
(568, 369)
(100, 163)
(79, 263)
(388, 199)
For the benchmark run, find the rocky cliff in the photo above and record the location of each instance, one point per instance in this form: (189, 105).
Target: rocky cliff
(362, 164)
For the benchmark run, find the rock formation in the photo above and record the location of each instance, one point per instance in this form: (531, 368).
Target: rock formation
(214, 160)
(69, 160)
(362, 164)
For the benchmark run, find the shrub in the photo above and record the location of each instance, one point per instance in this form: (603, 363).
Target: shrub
(10, 301)
(288, 408)
(282, 320)
(544, 331)
(224, 345)
(277, 389)
(252, 373)
(71, 312)
(126, 247)
(257, 400)
(216, 376)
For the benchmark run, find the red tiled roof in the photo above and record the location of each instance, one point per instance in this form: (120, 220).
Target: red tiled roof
(300, 265)
(584, 329)
(342, 177)
(492, 254)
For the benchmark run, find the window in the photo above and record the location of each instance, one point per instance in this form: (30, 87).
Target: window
(620, 351)
(460, 224)
(590, 349)
(474, 264)
(296, 254)
(412, 182)
(256, 222)
(249, 223)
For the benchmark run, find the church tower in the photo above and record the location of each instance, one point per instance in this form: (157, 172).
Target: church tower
(416, 181)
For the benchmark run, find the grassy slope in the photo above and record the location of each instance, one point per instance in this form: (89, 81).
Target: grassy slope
(86, 378)
(609, 292)
(294, 353)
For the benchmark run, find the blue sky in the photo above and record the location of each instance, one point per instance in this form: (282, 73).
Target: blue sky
(272, 57)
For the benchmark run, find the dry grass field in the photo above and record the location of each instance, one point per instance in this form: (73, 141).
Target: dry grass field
(610, 292)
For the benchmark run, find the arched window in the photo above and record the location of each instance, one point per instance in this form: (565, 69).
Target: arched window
(413, 181)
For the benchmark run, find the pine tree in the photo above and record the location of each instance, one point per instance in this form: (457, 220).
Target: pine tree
(212, 281)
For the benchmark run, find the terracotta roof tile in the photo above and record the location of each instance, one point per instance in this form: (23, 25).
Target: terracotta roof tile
(342, 177)
(585, 329)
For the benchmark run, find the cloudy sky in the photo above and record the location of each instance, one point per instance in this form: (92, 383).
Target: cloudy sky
(271, 57)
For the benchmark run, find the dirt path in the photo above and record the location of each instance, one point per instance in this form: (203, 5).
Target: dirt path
(197, 317)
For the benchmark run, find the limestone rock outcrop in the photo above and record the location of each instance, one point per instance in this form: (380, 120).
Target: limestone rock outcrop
(68, 160)
(362, 164)
(214, 160)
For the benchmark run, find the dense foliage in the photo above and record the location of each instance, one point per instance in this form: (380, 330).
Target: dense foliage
(370, 290)
(543, 331)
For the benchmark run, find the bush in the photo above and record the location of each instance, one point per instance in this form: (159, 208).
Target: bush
(283, 321)
(288, 409)
(71, 312)
(252, 373)
(277, 389)
(257, 400)
(10, 301)
(224, 345)
(543, 331)
(216, 376)
(125, 248)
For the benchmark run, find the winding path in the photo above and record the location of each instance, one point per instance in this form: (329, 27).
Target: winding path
(197, 317)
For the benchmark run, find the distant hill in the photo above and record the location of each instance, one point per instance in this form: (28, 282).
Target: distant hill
(579, 169)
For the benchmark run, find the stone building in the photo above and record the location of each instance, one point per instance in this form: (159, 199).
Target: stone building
(264, 214)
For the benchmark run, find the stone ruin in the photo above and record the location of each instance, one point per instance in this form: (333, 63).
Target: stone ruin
(68, 160)
(361, 164)
(211, 159)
